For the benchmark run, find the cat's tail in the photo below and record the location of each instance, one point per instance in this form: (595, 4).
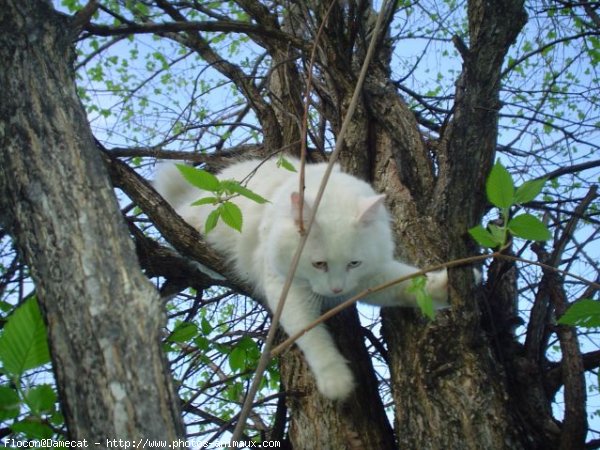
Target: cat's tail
(169, 183)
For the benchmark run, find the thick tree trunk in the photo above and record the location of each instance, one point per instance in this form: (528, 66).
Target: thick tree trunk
(317, 423)
(103, 316)
(449, 389)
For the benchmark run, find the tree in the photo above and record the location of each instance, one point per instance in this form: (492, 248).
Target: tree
(212, 81)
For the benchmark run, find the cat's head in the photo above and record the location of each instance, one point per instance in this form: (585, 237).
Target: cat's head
(349, 240)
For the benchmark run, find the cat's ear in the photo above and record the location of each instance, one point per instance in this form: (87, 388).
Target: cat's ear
(306, 209)
(368, 207)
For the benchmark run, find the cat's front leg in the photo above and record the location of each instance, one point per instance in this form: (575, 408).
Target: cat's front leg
(302, 307)
(398, 295)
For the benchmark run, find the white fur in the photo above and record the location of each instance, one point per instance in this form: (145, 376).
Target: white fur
(352, 234)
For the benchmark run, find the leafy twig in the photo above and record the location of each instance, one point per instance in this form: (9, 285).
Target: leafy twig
(455, 263)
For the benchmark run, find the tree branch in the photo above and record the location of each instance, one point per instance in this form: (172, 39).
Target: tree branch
(574, 427)
(553, 378)
(183, 25)
(179, 233)
(472, 132)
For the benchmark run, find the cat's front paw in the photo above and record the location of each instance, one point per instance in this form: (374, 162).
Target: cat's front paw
(437, 287)
(335, 381)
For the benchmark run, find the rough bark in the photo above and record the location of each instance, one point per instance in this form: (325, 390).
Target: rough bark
(317, 423)
(103, 316)
(452, 389)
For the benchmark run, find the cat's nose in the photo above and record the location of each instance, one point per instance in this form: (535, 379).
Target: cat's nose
(336, 290)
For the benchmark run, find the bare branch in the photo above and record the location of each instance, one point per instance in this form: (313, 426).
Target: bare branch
(183, 25)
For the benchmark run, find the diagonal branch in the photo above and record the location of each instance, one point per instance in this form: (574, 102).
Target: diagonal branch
(472, 132)
(554, 377)
(182, 25)
(574, 427)
(180, 234)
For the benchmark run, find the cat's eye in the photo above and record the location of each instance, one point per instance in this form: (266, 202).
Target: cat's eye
(354, 264)
(321, 265)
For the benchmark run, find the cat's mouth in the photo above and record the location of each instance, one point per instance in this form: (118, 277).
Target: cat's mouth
(336, 294)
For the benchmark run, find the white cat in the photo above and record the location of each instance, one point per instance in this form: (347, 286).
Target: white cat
(350, 248)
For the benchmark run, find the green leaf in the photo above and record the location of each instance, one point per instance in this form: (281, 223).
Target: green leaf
(498, 233)
(234, 187)
(23, 343)
(10, 406)
(500, 187)
(72, 5)
(32, 428)
(205, 326)
(199, 178)
(183, 332)
(529, 227)
(282, 162)
(529, 190)
(251, 347)
(232, 215)
(234, 392)
(483, 237)
(244, 355)
(237, 359)
(56, 419)
(584, 313)
(206, 201)
(424, 300)
(41, 399)
(202, 343)
(211, 220)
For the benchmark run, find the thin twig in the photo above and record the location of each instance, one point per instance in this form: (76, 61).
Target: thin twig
(332, 312)
(549, 267)
(455, 263)
(265, 356)
(304, 132)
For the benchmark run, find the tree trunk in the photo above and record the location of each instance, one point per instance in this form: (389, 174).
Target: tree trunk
(317, 423)
(103, 316)
(449, 389)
